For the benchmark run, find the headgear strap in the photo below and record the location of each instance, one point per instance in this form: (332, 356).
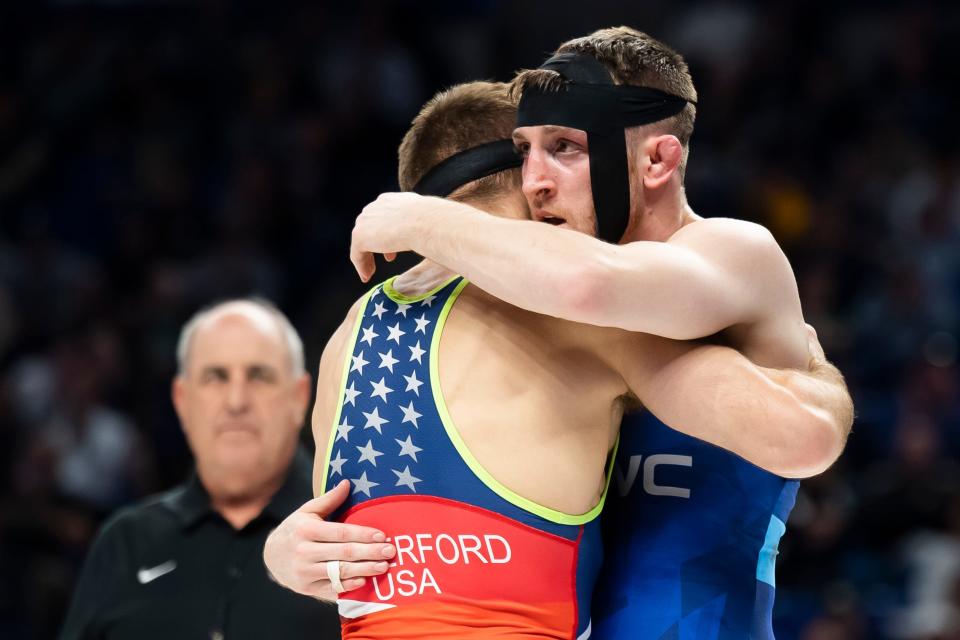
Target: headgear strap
(467, 166)
(588, 100)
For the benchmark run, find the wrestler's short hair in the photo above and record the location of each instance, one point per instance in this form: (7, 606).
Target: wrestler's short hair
(633, 58)
(460, 118)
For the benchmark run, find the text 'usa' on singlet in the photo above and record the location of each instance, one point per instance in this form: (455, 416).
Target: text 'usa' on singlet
(691, 533)
(474, 559)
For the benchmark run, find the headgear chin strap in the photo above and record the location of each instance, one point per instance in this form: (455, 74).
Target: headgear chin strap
(460, 168)
(588, 100)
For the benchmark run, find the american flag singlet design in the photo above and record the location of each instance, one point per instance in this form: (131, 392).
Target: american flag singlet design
(473, 558)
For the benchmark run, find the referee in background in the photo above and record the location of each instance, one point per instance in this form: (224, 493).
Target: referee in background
(188, 563)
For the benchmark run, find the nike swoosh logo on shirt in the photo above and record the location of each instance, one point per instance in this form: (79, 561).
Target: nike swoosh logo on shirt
(149, 575)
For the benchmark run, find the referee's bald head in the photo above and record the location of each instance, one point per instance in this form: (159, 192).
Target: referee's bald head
(259, 311)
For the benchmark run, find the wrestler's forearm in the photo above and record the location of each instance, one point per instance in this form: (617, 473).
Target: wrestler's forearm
(788, 422)
(647, 287)
(527, 264)
(795, 421)
(821, 390)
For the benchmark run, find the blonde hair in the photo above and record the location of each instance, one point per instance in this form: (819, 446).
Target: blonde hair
(460, 118)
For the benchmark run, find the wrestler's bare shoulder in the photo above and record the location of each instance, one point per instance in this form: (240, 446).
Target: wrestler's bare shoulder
(338, 339)
(748, 252)
(741, 234)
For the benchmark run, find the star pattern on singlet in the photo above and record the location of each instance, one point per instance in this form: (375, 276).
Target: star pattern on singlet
(377, 445)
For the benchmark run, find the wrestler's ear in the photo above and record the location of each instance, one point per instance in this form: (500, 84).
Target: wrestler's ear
(663, 156)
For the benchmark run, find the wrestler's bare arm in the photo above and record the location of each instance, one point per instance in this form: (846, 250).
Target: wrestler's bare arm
(711, 275)
(793, 423)
(708, 276)
(328, 387)
(296, 551)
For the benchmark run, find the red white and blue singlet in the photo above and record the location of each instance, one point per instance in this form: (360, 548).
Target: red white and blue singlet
(473, 558)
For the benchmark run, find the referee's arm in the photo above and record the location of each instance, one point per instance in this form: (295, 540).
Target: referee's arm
(94, 589)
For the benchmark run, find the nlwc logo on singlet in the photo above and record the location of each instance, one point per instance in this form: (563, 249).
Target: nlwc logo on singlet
(625, 481)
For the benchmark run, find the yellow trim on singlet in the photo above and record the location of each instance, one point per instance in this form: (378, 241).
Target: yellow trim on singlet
(351, 343)
(401, 298)
(482, 474)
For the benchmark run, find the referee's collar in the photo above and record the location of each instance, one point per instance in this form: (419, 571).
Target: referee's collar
(192, 503)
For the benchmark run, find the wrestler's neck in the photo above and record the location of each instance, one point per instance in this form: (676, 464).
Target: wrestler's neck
(427, 275)
(662, 213)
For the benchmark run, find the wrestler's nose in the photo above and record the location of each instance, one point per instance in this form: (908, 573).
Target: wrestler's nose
(538, 183)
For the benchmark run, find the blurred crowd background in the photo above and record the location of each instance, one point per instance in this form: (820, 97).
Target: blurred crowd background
(156, 156)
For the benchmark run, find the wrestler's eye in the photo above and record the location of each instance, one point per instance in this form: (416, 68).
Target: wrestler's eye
(565, 146)
(522, 148)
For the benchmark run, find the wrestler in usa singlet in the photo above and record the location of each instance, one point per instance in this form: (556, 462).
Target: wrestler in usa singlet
(473, 558)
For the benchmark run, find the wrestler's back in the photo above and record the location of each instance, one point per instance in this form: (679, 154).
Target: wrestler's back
(529, 395)
(505, 445)
(532, 395)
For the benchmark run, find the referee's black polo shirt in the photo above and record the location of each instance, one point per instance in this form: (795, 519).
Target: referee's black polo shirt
(172, 568)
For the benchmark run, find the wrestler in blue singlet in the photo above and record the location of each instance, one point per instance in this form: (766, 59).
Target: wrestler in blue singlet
(691, 535)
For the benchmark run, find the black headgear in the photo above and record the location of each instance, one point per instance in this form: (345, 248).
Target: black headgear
(467, 166)
(588, 100)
